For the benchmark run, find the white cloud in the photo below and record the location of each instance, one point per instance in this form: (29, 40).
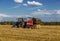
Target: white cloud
(4, 15)
(17, 6)
(18, 1)
(34, 3)
(12, 16)
(47, 12)
(14, 7)
(24, 4)
(58, 12)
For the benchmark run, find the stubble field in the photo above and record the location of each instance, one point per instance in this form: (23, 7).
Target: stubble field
(44, 33)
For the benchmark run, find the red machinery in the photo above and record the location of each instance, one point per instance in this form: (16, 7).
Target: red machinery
(29, 22)
(25, 22)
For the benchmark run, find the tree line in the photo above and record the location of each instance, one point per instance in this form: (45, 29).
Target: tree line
(7, 23)
(50, 23)
(41, 23)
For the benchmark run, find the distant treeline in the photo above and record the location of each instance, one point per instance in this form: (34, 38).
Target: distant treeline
(50, 23)
(7, 23)
(42, 23)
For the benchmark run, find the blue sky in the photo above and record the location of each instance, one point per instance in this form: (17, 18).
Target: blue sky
(46, 10)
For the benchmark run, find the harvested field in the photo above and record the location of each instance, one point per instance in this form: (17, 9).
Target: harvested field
(44, 33)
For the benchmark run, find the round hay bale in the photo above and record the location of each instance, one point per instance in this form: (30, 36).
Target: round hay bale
(37, 26)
